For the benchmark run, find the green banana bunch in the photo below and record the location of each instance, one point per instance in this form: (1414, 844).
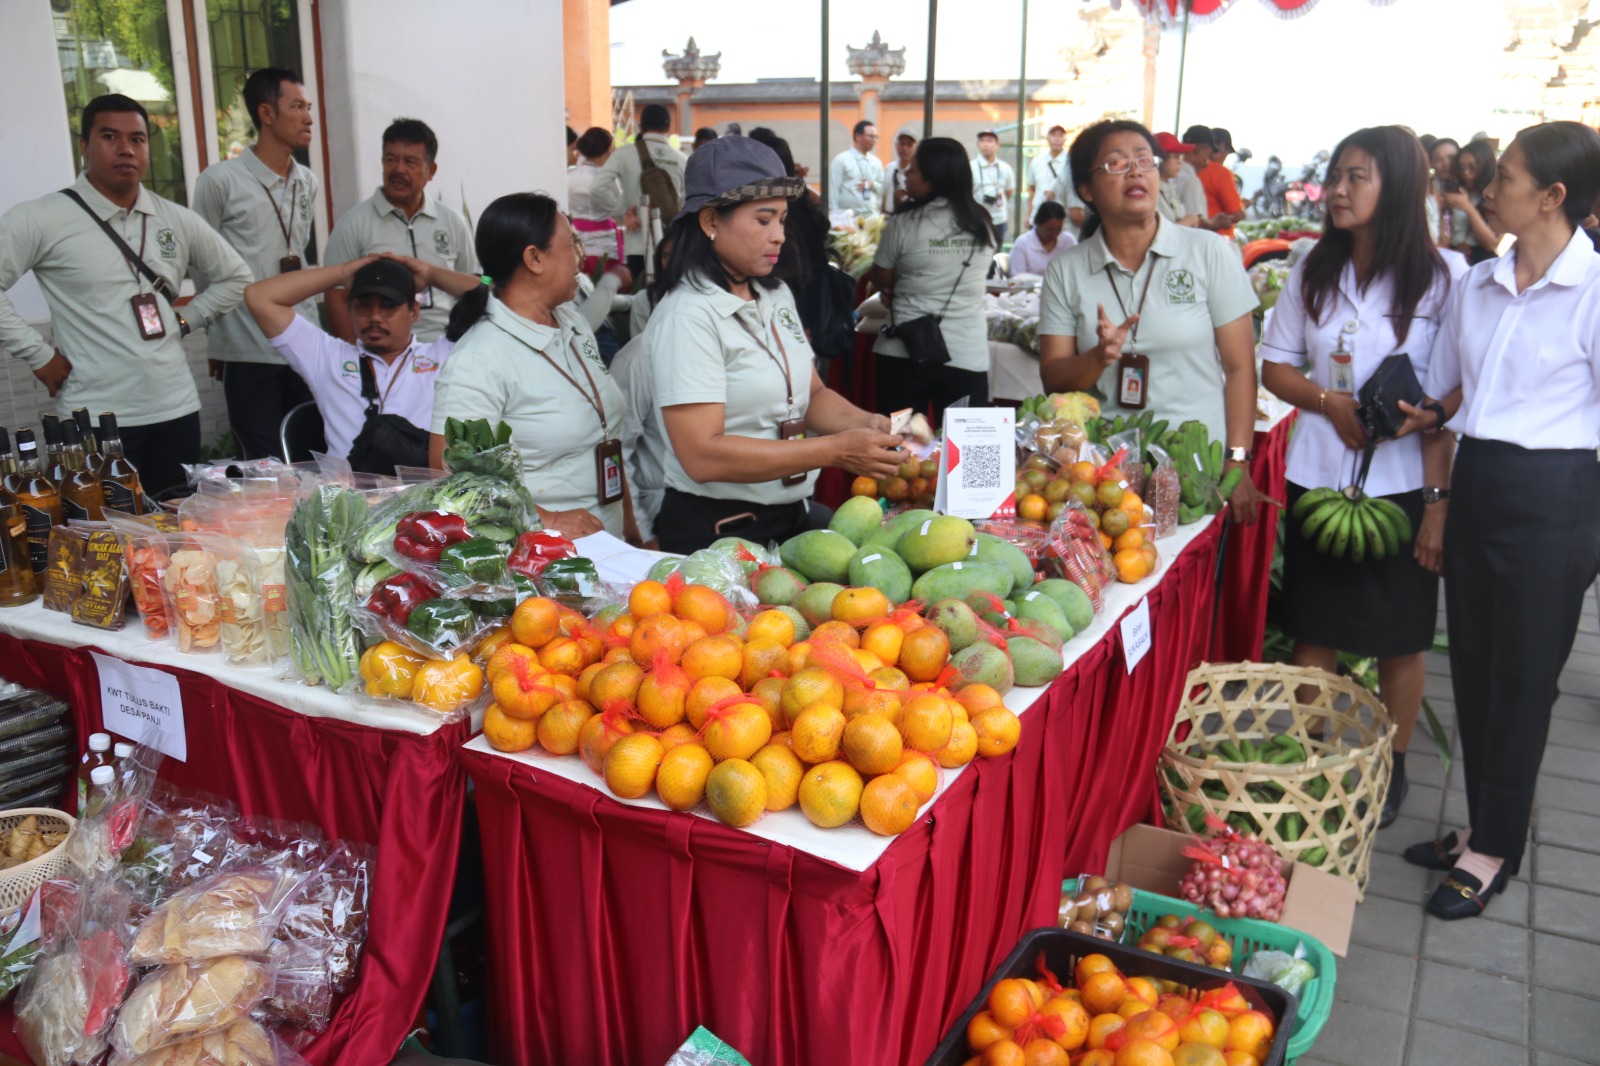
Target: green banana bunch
(1348, 524)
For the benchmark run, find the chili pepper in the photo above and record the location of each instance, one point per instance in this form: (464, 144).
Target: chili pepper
(422, 535)
(448, 686)
(397, 596)
(476, 560)
(389, 670)
(533, 551)
(573, 577)
(442, 623)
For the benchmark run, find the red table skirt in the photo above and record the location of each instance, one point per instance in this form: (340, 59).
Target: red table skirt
(615, 930)
(1247, 561)
(400, 791)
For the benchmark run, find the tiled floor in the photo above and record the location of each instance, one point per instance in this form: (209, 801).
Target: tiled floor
(1519, 986)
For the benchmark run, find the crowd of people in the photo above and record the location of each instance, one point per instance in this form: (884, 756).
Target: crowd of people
(712, 419)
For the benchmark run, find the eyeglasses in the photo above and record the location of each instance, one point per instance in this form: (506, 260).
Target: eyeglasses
(1119, 167)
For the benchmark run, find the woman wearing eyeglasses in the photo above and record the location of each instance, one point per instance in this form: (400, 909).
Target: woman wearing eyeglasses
(1175, 301)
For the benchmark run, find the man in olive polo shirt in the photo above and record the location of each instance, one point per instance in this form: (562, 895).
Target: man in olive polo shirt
(402, 219)
(118, 341)
(261, 202)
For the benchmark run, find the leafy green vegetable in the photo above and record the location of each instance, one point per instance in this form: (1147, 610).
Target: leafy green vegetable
(320, 579)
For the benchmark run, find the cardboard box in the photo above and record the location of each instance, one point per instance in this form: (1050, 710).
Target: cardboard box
(1318, 903)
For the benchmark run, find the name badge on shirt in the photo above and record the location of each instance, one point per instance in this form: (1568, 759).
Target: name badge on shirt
(792, 429)
(425, 297)
(289, 264)
(608, 470)
(147, 316)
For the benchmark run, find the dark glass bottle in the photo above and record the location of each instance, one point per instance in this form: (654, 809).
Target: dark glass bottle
(81, 494)
(119, 479)
(91, 446)
(40, 500)
(8, 461)
(16, 568)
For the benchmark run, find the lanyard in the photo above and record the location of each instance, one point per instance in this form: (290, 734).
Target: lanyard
(788, 380)
(984, 180)
(144, 230)
(1112, 278)
(595, 399)
(277, 210)
(394, 378)
(1051, 163)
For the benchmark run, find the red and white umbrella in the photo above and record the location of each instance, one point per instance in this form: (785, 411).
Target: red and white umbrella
(1171, 12)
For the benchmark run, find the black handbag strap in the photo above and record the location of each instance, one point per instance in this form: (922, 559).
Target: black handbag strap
(157, 282)
(963, 273)
(369, 386)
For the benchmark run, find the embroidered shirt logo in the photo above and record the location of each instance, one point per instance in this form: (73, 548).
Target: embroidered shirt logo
(441, 242)
(167, 242)
(350, 367)
(1180, 287)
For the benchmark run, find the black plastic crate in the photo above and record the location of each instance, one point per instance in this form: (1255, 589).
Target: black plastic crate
(1062, 947)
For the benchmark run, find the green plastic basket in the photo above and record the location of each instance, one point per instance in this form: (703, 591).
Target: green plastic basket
(1248, 935)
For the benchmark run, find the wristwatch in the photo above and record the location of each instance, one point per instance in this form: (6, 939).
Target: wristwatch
(1238, 455)
(1433, 494)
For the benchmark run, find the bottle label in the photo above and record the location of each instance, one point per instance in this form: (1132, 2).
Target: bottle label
(117, 495)
(73, 511)
(83, 795)
(39, 524)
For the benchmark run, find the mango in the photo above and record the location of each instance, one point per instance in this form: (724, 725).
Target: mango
(957, 620)
(856, 517)
(992, 549)
(984, 664)
(802, 628)
(881, 569)
(936, 541)
(777, 586)
(959, 579)
(816, 602)
(1035, 606)
(747, 553)
(663, 568)
(1073, 601)
(819, 554)
(1032, 662)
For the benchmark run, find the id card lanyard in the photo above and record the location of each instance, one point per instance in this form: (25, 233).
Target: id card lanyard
(146, 311)
(1341, 361)
(424, 294)
(608, 453)
(1133, 369)
(793, 427)
(291, 262)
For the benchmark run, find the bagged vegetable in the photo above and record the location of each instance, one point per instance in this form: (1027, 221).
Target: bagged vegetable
(318, 579)
(173, 1002)
(1289, 972)
(1235, 875)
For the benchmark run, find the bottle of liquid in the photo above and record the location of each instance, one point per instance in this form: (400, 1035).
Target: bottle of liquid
(102, 781)
(8, 461)
(50, 427)
(97, 757)
(17, 585)
(81, 494)
(119, 752)
(119, 480)
(40, 500)
(91, 447)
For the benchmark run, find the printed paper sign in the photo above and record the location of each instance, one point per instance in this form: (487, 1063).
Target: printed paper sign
(1136, 634)
(143, 705)
(978, 468)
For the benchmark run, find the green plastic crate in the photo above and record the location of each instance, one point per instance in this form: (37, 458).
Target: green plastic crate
(1248, 935)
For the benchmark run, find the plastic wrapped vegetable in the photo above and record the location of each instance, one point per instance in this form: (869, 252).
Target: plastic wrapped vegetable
(447, 687)
(474, 561)
(534, 551)
(570, 578)
(319, 578)
(389, 670)
(396, 597)
(442, 624)
(1289, 972)
(424, 535)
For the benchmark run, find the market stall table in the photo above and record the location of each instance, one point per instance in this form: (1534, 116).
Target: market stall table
(1247, 558)
(287, 751)
(1013, 373)
(616, 928)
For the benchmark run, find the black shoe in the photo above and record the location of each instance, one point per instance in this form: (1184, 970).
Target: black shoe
(1463, 896)
(1398, 787)
(1433, 854)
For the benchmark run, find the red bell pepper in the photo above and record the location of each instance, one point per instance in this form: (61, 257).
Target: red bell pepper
(422, 535)
(534, 551)
(395, 597)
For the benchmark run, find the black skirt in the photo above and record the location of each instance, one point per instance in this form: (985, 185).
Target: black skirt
(1386, 608)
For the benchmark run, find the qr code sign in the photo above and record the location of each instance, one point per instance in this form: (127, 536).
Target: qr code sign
(980, 465)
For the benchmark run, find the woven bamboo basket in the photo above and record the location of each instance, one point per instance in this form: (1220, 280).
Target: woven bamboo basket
(18, 883)
(1337, 791)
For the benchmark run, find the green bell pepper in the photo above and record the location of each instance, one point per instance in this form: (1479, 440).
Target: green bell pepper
(478, 560)
(442, 623)
(570, 577)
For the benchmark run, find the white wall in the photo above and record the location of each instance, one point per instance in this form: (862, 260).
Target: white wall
(487, 77)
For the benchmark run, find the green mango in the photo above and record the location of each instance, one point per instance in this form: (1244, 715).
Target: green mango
(816, 602)
(992, 549)
(802, 628)
(1033, 662)
(936, 541)
(1035, 606)
(856, 517)
(778, 586)
(984, 664)
(883, 570)
(957, 620)
(959, 579)
(1074, 602)
(819, 554)
(731, 547)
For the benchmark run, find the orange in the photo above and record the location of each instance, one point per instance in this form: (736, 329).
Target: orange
(864, 486)
(597, 736)
(1105, 540)
(505, 656)
(681, 780)
(1229, 1003)
(1097, 1057)
(1011, 1002)
(1141, 1052)
(1200, 1055)
(1083, 470)
(617, 683)
(867, 661)
(1133, 538)
(830, 794)
(523, 688)
(889, 805)
(1003, 1053)
(837, 633)
(736, 792)
(1251, 1032)
(1209, 1027)
(630, 766)
(535, 621)
(560, 725)
(692, 631)
(1092, 964)
(1177, 1007)
(586, 678)
(771, 625)
(1132, 1007)
(983, 1030)
(1032, 507)
(705, 693)
(998, 731)
(1133, 506)
(962, 749)
(1151, 558)
(978, 697)
(703, 606)
(566, 686)
(769, 691)
(925, 722)
(1073, 1018)
(799, 656)
(763, 657)
(872, 744)
(1131, 565)
(864, 699)
(923, 653)
(621, 626)
(920, 773)
(616, 655)
(491, 644)
(816, 733)
(1103, 992)
(1101, 1026)
(1239, 1058)
(647, 598)
(889, 678)
(737, 731)
(657, 633)
(505, 733)
(682, 733)
(563, 655)
(861, 607)
(1041, 1051)
(661, 697)
(782, 772)
(1144, 990)
(716, 656)
(809, 686)
(1154, 1026)
(883, 639)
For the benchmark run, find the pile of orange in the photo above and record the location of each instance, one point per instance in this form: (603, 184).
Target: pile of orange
(682, 695)
(1108, 1019)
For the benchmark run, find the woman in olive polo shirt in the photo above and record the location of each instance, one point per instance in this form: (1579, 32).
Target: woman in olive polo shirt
(748, 419)
(1139, 284)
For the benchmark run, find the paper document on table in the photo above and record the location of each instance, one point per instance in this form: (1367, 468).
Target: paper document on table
(615, 559)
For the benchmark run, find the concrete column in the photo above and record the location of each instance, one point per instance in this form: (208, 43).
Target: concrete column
(586, 55)
(685, 112)
(871, 90)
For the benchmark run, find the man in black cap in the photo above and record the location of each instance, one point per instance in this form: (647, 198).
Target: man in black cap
(383, 310)
(1223, 206)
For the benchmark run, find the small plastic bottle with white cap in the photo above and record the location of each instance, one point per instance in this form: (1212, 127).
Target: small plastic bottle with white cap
(96, 757)
(120, 751)
(101, 781)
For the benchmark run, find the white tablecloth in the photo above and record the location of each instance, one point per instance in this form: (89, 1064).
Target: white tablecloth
(1013, 372)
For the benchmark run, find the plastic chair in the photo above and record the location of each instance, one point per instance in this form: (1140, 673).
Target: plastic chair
(300, 433)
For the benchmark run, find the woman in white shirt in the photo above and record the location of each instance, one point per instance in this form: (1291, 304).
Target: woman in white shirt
(594, 195)
(1035, 249)
(1516, 369)
(1373, 286)
(932, 261)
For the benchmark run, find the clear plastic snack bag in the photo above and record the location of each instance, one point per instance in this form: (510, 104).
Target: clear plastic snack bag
(236, 912)
(181, 1000)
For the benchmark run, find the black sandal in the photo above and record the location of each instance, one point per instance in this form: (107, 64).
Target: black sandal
(1433, 854)
(1463, 896)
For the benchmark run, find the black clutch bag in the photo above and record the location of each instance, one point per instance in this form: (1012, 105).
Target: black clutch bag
(1395, 380)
